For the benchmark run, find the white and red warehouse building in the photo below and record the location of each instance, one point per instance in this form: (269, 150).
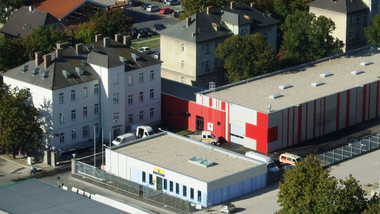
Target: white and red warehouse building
(286, 108)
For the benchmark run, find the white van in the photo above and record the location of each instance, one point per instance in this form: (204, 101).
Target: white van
(124, 138)
(289, 158)
(272, 167)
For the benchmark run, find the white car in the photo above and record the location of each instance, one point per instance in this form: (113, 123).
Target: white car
(227, 208)
(145, 50)
(152, 8)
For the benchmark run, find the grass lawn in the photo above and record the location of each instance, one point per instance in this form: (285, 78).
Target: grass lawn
(174, 129)
(152, 43)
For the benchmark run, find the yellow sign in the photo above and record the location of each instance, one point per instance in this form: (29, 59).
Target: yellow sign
(158, 171)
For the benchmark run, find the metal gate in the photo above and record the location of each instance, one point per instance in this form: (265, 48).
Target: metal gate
(237, 134)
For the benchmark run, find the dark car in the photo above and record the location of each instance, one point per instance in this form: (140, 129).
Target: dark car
(143, 7)
(158, 26)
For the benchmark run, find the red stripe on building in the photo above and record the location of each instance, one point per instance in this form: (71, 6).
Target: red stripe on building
(223, 106)
(294, 112)
(287, 131)
(369, 103)
(228, 123)
(337, 111)
(324, 114)
(377, 98)
(210, 102)
(307, 110)
(299, 123)
(315, 117)
(282, 129)
(364, 106)
(348, 96)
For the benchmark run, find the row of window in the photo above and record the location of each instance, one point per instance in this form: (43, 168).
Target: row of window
(358, 18)
(141, 97)
(356, 34)
(141, 78)
(116, 117)
(171, 187)
(74, 113)
(73, 94)
(85, 133)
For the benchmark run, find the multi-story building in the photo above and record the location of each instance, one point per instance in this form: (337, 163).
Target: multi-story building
(187, 48)
(101, 87)
(350, 18)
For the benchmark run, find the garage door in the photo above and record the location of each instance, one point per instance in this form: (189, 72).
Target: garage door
(237, 134)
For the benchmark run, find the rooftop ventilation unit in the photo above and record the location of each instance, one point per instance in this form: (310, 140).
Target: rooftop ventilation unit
(357, 72)
(44, 75)
(318, 83)
(79, 71)
(326, 74)
(23, 69)
(201, 162)
(66, 74)
(275, 96)
(365, 63)
(35, 71)
(285, 86)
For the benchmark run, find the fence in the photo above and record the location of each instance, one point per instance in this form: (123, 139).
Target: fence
(350, 150)
(134, 188)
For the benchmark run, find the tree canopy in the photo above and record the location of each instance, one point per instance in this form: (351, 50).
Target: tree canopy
(112, 22)
(246, 56)
(18, 121)
(307, 38)
(308, 188)
(372, 32)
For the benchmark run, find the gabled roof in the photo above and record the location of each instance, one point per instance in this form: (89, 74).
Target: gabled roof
(342, 6)
(247, 14)
(200, 28)
(59, 9)
(25, 19)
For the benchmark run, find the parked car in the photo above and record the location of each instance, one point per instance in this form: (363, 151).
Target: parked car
(158, 26)
(227, 208)
(156, 55)
(166, 10)
(144, 6)
(173, 2)
(163, 1)
(152, 8)
(177, 12)
(145, 50)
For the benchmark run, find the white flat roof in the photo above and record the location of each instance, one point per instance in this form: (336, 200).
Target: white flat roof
(172, 152)
(255, 94)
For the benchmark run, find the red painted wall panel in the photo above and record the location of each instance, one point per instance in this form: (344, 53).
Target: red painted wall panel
(223, 105)
(261, 133)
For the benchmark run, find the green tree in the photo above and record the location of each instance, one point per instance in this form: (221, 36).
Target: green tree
(307, 38)
(18, 121)
(12, 53)
(372, 32)
(113, 21)
(44, 39)
(246, 56)
(82, 33)
(283, 8)
(308, 188)
(8, 7)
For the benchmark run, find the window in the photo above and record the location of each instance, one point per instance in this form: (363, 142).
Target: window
(183, 47)
(207, 51)
(62, 137)
(207, 65)
(184, 193)
(141, 78)
(350, 35)
(182, 64)
(177, 188)
(191, 193)
(143, 177)
(115, 98)
(357, 34)
(61, 118)
(96, 127)
(72, 94)
(73, 115)
(96, 89)
(85, 111)
(130, 80)
(199, 196)
(151, 75)
(350, 19)
(216, 63)
(171, 186)
(151, 113)
(141, 96)
(85, 93)
(130, 118)
(116, 78)
(85, 131)
(165, 184)
(61, 100)
(96, 109)
(151, 94)
(130, 99)
(73, 134)
(150, 179)
(182, 79)
(141, 115)
(116, 117)
(358, 18)
(216, 45)
(364, 17)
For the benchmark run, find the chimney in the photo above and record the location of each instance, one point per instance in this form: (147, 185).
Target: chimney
(79, 48)
(30, 8)
(253, 4)
(98, 37)
(38, 58)
(232, 5)
(62, 45)
(127, 41)
(118, 37)
(58, 52)
(216, 26)
(106, 42)
(188, 21)
(208, 10)
(47, 61)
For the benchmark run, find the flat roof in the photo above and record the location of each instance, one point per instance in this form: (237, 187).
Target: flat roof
(255, 93)
(172, 152)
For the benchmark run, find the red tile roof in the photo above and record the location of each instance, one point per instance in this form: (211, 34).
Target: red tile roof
(59, 9)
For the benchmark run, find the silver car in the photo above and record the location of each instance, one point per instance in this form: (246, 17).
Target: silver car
(227, 208)
(152, 8)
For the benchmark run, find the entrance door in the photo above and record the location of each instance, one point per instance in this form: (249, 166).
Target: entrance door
(158, 183)
(116, 132)
(199, 123)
